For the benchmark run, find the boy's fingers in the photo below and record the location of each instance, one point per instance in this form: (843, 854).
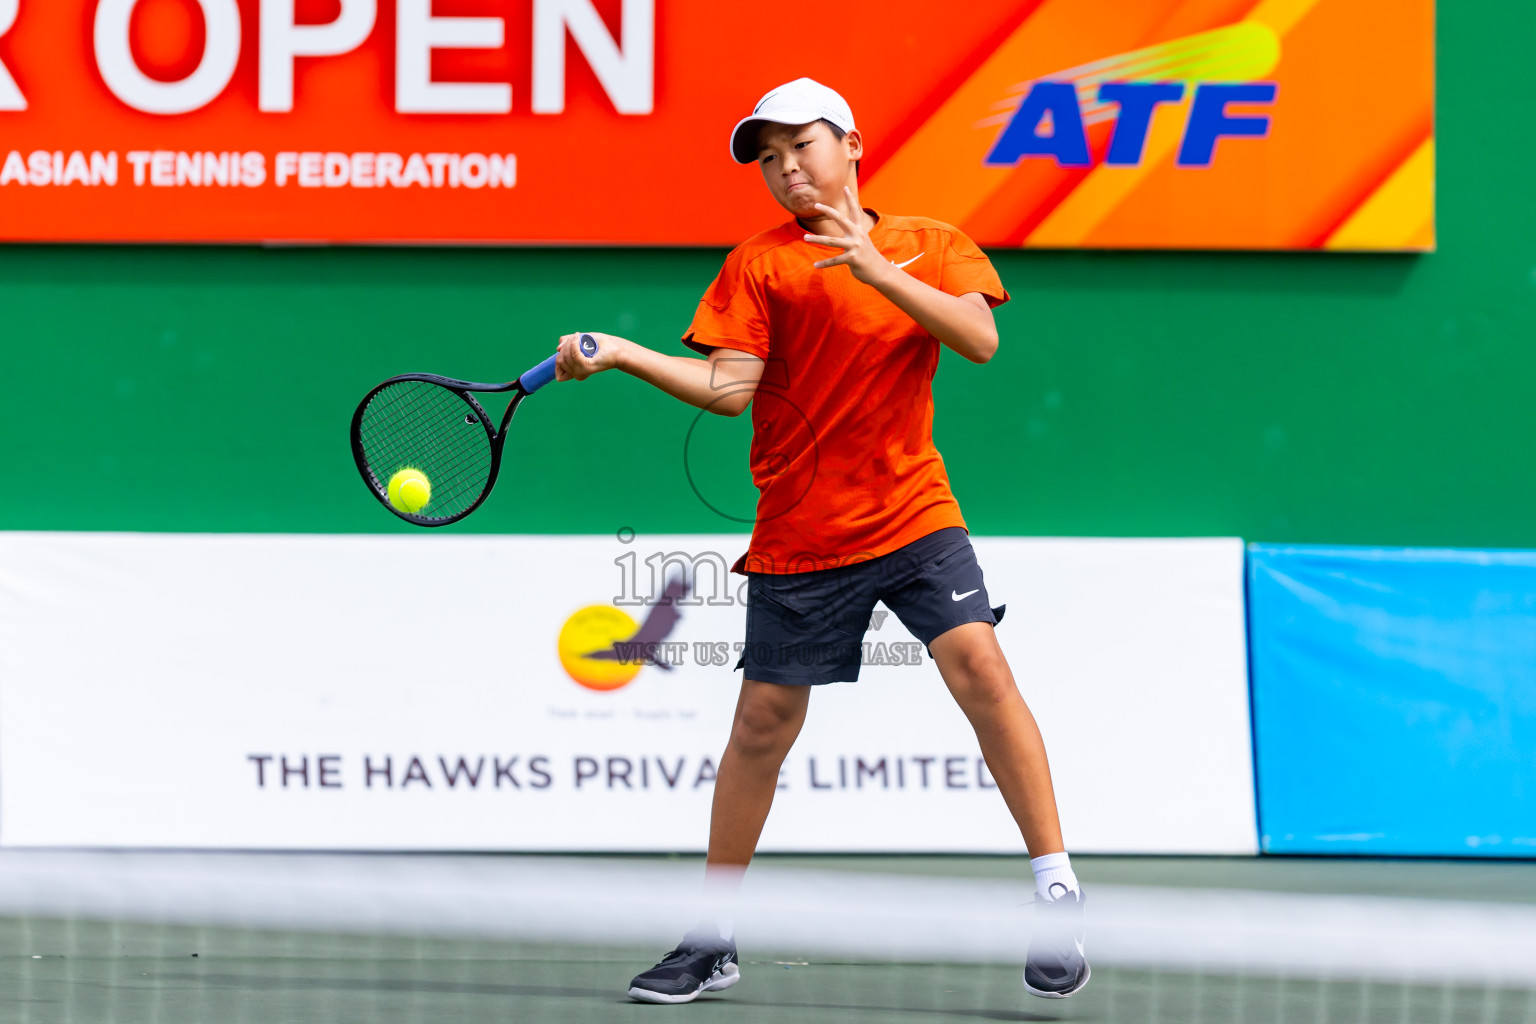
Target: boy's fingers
(837, 216)
(570, 362)
(849, 225)
(841, 243)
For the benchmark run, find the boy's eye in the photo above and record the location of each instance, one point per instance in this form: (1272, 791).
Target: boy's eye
(802, 145)
(767, 158)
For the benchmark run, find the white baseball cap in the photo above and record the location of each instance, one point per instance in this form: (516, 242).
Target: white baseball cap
(799, 102)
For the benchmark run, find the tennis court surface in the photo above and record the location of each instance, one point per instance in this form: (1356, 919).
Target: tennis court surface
(170, 937)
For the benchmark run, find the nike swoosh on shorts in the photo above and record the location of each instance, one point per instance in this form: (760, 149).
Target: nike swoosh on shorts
(960, 597)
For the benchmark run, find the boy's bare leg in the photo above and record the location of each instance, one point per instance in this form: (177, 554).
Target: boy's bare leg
(978, 676)
(768, 718)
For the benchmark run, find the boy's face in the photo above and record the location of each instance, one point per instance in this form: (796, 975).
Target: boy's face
(806, 164)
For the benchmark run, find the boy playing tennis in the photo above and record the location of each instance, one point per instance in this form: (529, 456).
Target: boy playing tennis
(829, 326)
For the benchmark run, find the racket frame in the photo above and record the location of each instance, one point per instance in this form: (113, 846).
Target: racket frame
(466, 391)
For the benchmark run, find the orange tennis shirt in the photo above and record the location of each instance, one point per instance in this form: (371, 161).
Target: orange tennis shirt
(842, 421)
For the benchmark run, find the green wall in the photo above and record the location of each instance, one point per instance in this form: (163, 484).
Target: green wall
(1282, 397)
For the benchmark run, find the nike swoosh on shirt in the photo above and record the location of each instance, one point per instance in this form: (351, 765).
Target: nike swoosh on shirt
(909, 262)
(960, 597)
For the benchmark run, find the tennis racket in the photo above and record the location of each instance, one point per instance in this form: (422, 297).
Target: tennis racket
(436, 426)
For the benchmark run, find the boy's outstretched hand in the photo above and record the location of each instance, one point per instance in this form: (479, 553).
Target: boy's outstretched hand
(571, 364)
(859, 253)
(963, 322)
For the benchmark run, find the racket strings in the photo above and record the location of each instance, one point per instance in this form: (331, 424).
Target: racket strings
(424, 426)
(446, 446)
(457, 466)
(430, 432)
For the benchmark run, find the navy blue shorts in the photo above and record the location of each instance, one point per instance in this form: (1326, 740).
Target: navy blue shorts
(806, 628)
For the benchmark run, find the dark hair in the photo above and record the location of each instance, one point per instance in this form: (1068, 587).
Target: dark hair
(838, 133)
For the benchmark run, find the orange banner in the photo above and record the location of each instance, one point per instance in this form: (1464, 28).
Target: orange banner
(1234, 124)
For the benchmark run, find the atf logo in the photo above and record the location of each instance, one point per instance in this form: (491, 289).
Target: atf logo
(604, 648)
(1205, 72)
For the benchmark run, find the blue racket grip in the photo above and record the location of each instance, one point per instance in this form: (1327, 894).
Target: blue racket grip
(545, 371)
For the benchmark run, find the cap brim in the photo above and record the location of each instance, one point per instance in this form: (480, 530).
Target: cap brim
(744, 138)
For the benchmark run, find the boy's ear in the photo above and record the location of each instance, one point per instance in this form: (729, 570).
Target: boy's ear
(855, 144)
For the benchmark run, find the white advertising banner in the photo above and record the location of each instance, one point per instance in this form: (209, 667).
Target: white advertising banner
(446, 692)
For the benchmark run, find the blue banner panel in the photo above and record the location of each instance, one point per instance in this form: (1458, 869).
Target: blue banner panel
(1394, 700)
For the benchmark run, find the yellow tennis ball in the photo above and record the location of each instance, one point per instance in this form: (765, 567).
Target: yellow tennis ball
(410, 490)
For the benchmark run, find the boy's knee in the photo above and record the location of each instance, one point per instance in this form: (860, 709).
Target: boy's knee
(981, 676)
(981, 664)
(765, 725)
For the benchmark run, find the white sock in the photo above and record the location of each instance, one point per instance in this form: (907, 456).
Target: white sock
(722, 886)
(1053, 876)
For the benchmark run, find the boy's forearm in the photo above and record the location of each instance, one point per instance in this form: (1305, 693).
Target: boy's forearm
(959, 323)
(683, 377)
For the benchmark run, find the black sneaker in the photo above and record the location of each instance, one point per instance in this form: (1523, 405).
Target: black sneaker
(691, 968)
(1056, 968)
